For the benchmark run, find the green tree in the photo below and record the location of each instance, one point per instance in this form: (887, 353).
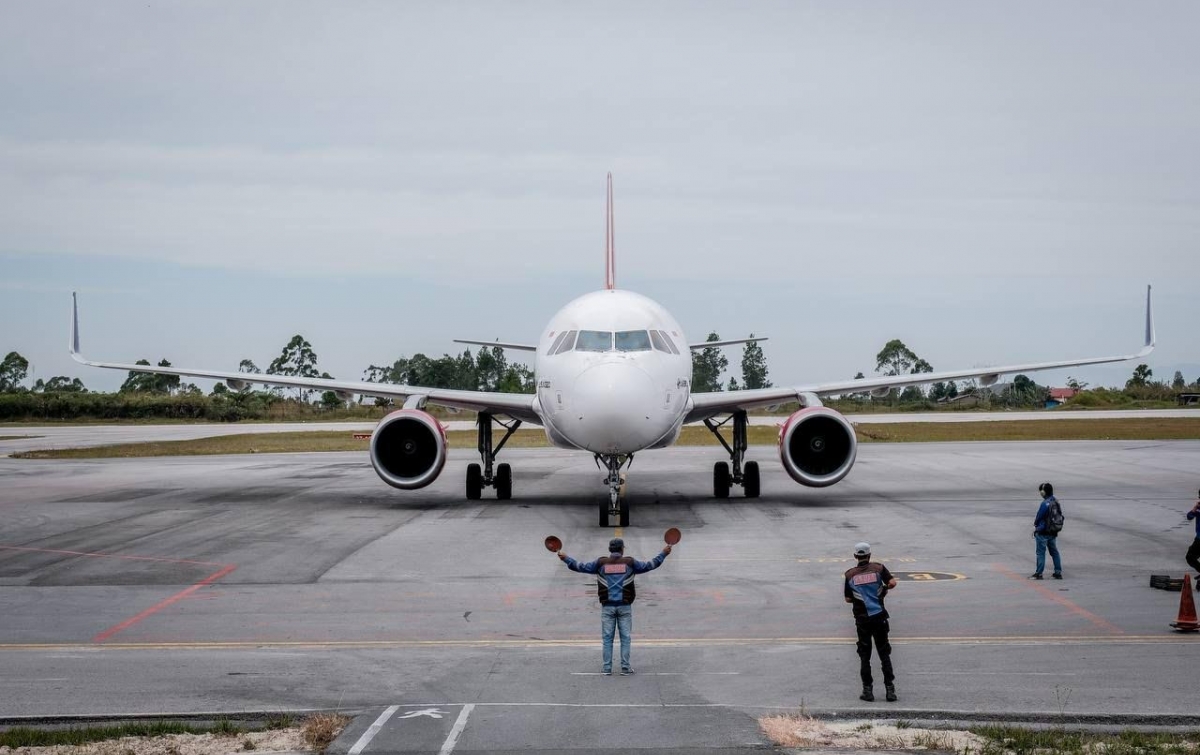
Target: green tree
(490, 368)
(517, 378)
(150, 382)
(249, 367)
(707, 366)
(296, 360)
(59, 384)
(733, 384)
(1141, 376)
(895, 358)
(13, 371)
(754, 368)
(1178, 383)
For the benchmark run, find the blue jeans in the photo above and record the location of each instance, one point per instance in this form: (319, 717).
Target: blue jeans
(614, 618)
(1044, 542)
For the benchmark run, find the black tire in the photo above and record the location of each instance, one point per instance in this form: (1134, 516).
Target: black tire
(750, 480)
(474, 482)
(721, 479)
(624, 511)
(604, 510)
(503, 482)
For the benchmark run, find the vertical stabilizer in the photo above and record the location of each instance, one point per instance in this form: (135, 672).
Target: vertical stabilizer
(610, 263)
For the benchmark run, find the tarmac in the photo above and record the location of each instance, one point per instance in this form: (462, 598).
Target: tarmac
(134, 587)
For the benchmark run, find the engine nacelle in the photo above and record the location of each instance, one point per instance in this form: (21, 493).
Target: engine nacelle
(408, 449)
(817, 446)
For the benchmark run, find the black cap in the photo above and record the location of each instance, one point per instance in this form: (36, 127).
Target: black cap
(616, 545)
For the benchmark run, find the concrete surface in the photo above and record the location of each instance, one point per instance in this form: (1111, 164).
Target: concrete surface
(297, 582)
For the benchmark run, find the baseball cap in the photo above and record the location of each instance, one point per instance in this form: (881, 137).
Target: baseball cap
(862, 549)
(616, 544)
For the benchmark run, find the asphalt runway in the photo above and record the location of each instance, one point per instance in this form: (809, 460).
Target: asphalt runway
(300, 581)
(84, 436)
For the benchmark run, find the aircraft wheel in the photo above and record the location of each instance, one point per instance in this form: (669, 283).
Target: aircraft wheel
(603, 505)
(750, 480)
(474, 482)
(503, 482)
(721, 479)
(624, 511)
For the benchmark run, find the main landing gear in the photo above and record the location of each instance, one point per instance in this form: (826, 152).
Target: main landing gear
(746, 476)
(617, 504)
(478, 478)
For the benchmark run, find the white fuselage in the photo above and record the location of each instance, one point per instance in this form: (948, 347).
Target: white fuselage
(613, 373)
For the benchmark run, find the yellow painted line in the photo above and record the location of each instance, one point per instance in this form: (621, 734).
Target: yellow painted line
(618, 532)
(591, 642)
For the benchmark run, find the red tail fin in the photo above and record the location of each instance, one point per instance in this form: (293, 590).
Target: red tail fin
(610, 272)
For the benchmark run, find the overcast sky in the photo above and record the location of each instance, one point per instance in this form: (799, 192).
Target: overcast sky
(990, 183)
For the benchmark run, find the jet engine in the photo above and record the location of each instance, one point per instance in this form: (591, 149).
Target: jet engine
(408, 449)
(817, 446)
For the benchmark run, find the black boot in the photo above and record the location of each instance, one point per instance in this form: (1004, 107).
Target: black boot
(868, 694)
(891, 693)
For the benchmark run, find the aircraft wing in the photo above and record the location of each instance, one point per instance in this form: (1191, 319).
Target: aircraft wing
(704, 405)
(516, 405)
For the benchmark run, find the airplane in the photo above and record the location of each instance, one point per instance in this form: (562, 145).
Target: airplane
(613, 372)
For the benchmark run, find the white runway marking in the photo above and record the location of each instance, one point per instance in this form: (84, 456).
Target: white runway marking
(370, 733)
(991, 673)
(665, 673)
(459, 725)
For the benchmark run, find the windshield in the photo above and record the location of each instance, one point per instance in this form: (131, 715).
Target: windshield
(633, 340)
(594, 340)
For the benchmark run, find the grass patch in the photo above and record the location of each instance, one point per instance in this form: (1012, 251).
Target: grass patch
(175, 736)
(1001, 740)
(322, 728)
(23, 736)
(18, 437)
(1169, 428)
(803, 731)
(1133, 428)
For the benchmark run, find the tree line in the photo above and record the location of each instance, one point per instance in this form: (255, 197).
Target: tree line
(155, 395)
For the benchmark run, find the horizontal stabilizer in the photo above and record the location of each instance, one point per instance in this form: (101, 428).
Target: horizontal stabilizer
(731, 342)
(501, 344)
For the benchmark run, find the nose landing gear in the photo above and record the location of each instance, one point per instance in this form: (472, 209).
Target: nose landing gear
(723, 477)
(617, 504)
(480, 477)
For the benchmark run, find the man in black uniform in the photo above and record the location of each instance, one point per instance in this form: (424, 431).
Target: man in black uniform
(866, 586)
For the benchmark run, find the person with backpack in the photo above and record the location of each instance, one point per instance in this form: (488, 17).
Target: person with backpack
(865, 587)
(617, 591)
(1046, 525)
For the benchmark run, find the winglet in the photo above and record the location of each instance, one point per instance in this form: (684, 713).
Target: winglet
(610, 263)
(1149, 346)
(74, 347)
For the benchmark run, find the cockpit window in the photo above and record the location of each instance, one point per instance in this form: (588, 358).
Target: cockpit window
(667, 340)
(594, 340)
(657, 339)
(557, 342)
(568, 343)
(633, 340)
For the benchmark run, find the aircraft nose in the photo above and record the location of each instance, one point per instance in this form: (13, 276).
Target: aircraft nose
(617, 409)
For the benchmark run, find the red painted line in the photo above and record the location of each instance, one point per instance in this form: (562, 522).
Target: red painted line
(1072, 607)
(159, 606)
(107, 555)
